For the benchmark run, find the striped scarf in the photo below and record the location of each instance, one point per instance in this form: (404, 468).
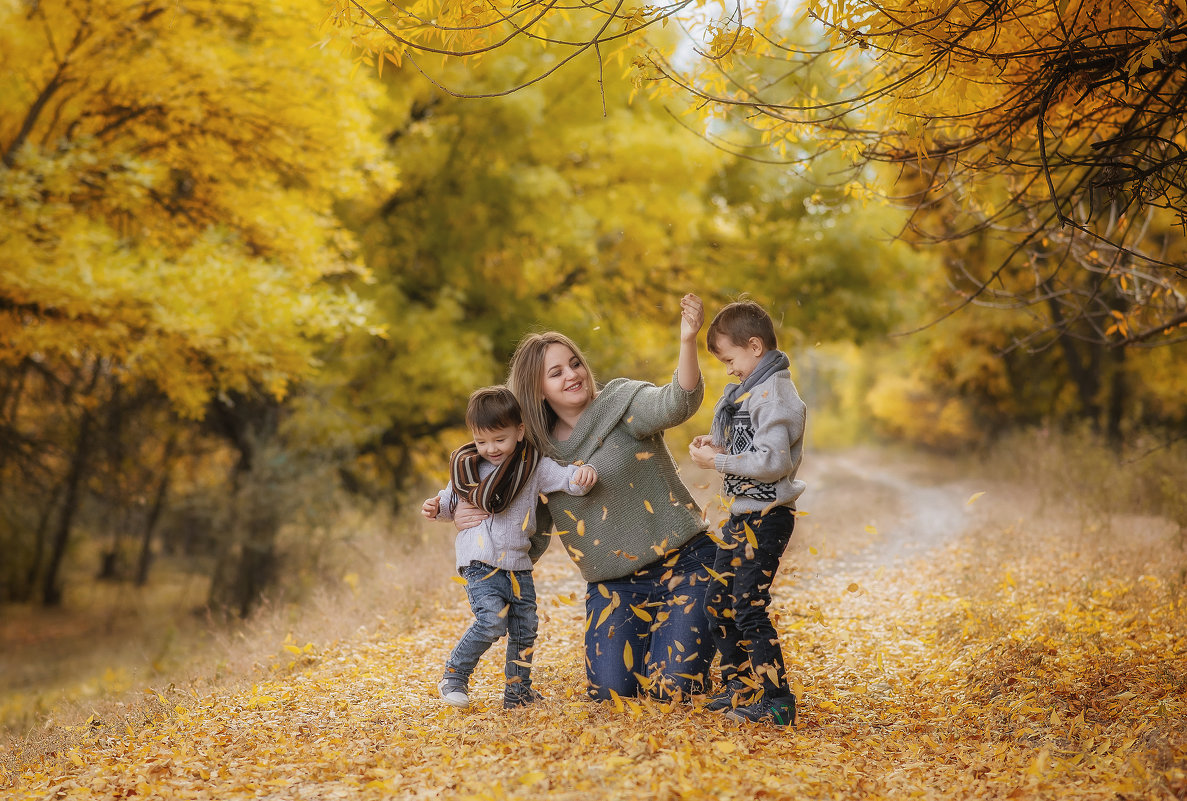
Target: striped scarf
(495, 492)
(731, 398)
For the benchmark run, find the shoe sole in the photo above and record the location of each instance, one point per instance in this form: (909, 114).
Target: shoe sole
(773, 719)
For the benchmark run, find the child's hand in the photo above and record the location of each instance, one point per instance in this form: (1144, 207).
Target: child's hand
(692, 317)
(430, 507)
(585, 476)
(703, 455)
(701, 439)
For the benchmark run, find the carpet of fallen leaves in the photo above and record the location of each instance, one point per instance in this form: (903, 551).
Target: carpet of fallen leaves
(1006, 664)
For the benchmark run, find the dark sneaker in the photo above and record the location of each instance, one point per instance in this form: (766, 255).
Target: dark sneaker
(731, 695)
(516, 695)
(779, 710)
(454, 692)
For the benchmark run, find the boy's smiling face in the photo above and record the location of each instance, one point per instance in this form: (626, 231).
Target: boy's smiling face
(739, 360)
(497, 444)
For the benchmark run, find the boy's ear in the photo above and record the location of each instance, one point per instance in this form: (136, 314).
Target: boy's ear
(755, 345)
(519, 432)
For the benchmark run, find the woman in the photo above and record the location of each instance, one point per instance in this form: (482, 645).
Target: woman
(637, 537)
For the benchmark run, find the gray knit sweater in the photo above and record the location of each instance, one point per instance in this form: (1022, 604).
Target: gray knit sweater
(639, 509)
(765, 447)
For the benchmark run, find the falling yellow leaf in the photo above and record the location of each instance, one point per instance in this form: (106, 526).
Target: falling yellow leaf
(617, 700)
(514, 584)
(973, 498)
(871, 528)
(647, 504)
(628, 656)
(644, 455)
(580, 528)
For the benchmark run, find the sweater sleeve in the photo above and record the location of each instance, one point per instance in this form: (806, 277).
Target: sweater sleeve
(538, 544)
(778, 421)
(448, 500)
(551, 476)
(654, 409)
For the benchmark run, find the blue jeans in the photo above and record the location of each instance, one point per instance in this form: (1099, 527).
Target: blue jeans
(498, 610)
(742, 629)
(651, 624)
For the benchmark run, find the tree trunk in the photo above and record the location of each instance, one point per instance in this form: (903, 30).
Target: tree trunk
(154, 515)
(247, 565)
(1083, 376)
(1118, 398)
(51, 592)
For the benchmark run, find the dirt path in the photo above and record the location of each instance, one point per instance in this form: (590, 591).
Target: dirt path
(911, 510)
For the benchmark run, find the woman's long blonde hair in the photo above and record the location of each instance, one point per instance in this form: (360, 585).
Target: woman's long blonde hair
(526, 379)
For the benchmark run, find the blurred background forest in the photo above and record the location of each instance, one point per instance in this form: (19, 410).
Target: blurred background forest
(250, 271)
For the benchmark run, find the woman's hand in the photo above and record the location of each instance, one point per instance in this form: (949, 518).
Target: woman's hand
(585, 476)
(703, 455)
(692, 317)
(431, 507)
(467, 515)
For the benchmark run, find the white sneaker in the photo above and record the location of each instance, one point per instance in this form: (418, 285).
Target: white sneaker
(453, 692)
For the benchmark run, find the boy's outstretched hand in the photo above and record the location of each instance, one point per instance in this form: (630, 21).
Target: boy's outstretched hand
(692, 316)
(702, 452)
(585, 476)
(430, 507)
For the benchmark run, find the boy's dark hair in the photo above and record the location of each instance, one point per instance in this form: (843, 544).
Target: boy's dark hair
(491, 408)
(738, 322)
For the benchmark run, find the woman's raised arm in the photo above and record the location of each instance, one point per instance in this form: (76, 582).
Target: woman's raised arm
(692, 317)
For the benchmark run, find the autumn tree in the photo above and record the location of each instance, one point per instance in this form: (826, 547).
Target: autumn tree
(568, 206)
(168, 175)
(1071, 113)
(1040, 145)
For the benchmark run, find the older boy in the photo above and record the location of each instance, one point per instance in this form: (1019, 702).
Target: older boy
(756, 444)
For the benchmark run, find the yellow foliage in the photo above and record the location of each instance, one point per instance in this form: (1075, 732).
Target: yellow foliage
(167, 189)
(913, 410)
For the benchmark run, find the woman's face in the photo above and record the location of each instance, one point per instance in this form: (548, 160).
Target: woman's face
(566, 383)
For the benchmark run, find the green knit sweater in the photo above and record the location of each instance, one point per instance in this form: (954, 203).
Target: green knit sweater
(639, 509)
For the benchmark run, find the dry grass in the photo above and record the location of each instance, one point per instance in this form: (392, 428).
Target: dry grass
(1024, 657)
(110, 646)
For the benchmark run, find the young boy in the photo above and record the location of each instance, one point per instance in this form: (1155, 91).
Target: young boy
(503, 474)
(756, 444)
